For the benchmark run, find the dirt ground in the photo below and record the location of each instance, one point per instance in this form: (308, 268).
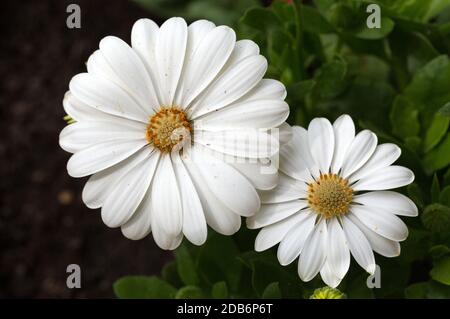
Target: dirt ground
(44, 225)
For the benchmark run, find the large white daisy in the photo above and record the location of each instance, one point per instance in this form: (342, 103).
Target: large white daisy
(332, 201)
(144, 112)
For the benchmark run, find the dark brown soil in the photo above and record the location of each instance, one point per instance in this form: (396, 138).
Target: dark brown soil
(44, 226)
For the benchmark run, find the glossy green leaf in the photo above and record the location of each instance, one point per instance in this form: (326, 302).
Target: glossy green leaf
(404, 118)
(441, 271)
(436, 131)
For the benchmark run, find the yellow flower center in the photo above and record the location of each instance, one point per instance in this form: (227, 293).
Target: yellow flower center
(168, 128)
(330, 195)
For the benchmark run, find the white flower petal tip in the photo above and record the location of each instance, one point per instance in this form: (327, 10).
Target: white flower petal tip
(341, 179)
(144, 110)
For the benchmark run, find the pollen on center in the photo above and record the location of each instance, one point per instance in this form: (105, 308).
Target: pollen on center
(168, 128)
(330, 195)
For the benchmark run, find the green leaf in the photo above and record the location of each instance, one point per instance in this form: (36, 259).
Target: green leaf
(170, 274)
(445, 110)
(417, 10)
(436, 131)
(218, 262)
(272, 291)
(447, 177)
(330, 80)
(417, 291)
(439, 251)
(439, 157)
(314, 22)
(435, 189)
(142, 287)
(444, 197)
(436, 218)
(342, 16)
(404, 118)
(260, 18)
(387, 25)
(300, 90)
(186, 266)
(437, 290)
(415, 193)
(417, 245)
(190, 292)
(429, 87)
(219, 290)
(441, 271)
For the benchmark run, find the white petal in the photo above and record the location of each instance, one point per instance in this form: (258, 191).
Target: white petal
(391, 202)
(380, 244)
(344, 133)
(194, 222)
(285, 133)
(359, 246)
(218, 216)
(230, 85)
(166, 241)
(98, 66)
(257, 173)
(127, 194)
(143, 40)
(384, 155)
(103, 155)
(99, 185)
(314, 252)
(139, 224)
(271, 235)
(385, 178)
(360, 150)
(262, 173)
(287, 189)
(81, 112)
(81, 135)
(130, 70)
(262, 114)
(226, 183)
(170, 51)
(241, 143)
(272, 213)
(321, 142)
(292, 244)
(328, 275)
(166, 206)
(197, 31)
(383, 223)
(295, 157)
(267, 89)
(242, 49)
(106, 96)
(207, 60)
(338, 256)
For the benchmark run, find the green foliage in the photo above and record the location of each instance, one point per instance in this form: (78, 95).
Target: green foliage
(436, 218)
(394, 81)
(441, 271)
(142, 287)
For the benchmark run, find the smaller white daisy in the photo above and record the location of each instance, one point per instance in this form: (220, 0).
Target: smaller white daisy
(331, 201)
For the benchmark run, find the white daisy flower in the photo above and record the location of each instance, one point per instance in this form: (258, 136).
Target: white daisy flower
(143, 112)
(332, 201)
